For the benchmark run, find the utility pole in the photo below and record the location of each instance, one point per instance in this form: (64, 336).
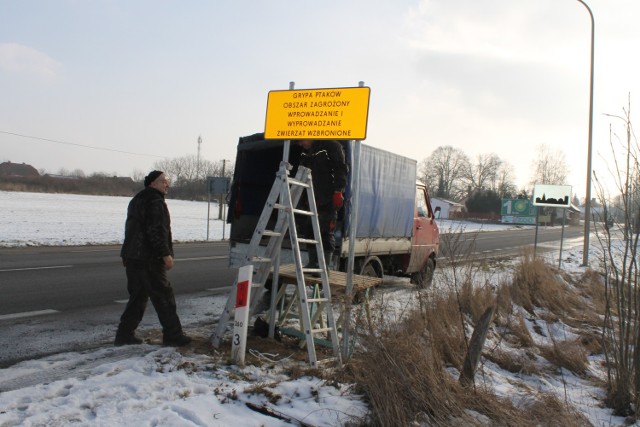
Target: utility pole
(198, 165)
(587, 204)
(221, 204)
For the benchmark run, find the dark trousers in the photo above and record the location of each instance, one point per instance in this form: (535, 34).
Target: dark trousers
(327, 217)
(149, 281)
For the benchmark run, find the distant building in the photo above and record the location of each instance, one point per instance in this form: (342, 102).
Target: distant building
(444, 209)
(17, 169)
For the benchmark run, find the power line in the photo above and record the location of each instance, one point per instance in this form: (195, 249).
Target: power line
(80, 145)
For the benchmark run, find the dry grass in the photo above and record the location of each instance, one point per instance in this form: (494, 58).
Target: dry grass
(416, 354)
(536, 284)
(517, 363)
(570, 355)
(515, 331)
(548, 410)
(593, 284)
(408, 358)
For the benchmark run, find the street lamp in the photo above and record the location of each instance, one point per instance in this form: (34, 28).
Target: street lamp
(587, 204)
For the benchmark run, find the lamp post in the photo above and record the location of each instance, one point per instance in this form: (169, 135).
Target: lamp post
(222, 196)
(587, 204)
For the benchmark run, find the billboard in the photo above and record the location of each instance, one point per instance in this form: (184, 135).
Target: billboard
(555, 196)
(518, 211)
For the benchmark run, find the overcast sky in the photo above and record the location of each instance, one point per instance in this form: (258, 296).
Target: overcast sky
(141, 80)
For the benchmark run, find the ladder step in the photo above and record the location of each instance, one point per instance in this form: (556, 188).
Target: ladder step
(295, 211)
(317, 300)
(260, 259)
(271, 233)
(294, 181)
(308, 241)
(312, 270)
(301, 212)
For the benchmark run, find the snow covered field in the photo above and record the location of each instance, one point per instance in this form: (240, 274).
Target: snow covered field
(150, 385)
(34, 219)
(37, 219)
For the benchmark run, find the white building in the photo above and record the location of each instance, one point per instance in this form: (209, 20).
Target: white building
(444, 209)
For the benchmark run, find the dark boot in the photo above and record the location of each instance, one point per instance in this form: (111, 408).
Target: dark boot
(126, 339)
(176, 341)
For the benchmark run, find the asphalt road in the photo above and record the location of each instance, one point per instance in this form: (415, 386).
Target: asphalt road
(48, 279)
(503, 243)
(68, 278)
(58, 299)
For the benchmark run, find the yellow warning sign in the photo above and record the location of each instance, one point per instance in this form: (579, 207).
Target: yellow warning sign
(337, 113)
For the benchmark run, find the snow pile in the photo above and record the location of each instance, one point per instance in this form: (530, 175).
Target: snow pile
(158, 386)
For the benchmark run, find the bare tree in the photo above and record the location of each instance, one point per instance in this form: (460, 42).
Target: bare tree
(550, 167)
(621, 274)
(217, 168)
(443, 172)
(482, 173)
(180, 169)
(138, 175)
(505, 182)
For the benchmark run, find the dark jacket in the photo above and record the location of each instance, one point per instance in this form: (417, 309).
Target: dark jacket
(326, 160)
(147, 234)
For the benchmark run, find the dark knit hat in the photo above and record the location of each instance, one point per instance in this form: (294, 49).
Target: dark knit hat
(151, 177)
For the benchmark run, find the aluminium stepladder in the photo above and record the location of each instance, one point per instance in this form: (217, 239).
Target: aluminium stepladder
(284, 196)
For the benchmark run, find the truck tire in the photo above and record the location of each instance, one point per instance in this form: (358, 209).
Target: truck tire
(369, 269)
(424, 278)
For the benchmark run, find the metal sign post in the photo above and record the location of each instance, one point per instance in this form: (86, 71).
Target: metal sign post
(564, 217)
(217, 185)
(353, 226)
(555, 196)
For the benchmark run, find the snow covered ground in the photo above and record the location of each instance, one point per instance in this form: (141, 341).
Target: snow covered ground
(150, 385)
(36, 219)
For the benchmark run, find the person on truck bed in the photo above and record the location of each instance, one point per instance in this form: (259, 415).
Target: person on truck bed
(328, 167)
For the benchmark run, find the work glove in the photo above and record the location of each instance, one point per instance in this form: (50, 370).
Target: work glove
(338, 200)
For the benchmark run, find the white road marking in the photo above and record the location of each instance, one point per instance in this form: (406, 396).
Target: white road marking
(201, 258)
(95, 250)
(27, 314)
(37, 268)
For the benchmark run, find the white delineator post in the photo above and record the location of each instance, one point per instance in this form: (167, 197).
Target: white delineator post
(241, 319)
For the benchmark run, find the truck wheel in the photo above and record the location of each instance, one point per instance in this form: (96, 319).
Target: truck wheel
(424, 278)
(370, 271)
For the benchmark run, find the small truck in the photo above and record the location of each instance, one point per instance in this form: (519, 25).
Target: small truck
(396, 230)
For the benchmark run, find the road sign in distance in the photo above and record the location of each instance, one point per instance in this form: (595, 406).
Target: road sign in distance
(557, 196)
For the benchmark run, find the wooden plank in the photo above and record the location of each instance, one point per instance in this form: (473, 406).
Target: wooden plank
(337, 279)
